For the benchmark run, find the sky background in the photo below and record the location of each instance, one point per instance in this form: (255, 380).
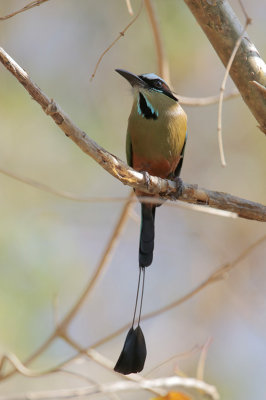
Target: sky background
(49, 246)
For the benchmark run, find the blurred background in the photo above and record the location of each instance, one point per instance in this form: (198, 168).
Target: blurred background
(50, 246)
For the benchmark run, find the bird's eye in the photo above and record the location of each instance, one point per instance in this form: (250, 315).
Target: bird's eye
(158, 84)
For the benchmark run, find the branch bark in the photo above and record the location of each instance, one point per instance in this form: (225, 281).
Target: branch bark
(248, 71)
(121, 171)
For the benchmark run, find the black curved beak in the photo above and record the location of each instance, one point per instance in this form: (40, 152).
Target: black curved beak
(133, 79)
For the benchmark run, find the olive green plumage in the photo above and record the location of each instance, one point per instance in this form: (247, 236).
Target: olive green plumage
(156, 144)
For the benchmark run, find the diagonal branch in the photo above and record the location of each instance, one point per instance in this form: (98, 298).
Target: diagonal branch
(222, 27)
(121, 171)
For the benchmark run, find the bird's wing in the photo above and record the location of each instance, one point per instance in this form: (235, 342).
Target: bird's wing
(179, 165)
(129, 150)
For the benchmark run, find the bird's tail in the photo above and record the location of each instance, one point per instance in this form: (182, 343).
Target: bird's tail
(133, 355)
(146, 243)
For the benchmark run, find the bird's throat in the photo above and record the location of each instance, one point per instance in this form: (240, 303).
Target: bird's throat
(145, 108)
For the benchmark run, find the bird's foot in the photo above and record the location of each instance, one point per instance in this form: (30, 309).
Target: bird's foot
(147, 179)
(179, 187)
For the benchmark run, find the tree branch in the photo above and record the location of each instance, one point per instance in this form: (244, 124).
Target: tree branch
(121, 171)
(110, 199)
(119, 386)
(222, 27)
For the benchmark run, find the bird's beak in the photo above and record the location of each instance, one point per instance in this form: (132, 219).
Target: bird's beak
(133, 79)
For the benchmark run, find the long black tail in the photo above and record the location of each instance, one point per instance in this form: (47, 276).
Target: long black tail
(146, 242)
(133, 354)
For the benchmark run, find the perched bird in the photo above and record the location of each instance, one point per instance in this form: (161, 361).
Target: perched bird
(156, 138)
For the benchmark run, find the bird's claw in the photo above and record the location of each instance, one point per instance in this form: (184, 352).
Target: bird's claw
(147, 179)
(179, 187)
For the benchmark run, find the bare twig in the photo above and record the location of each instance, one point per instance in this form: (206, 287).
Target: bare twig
(98, 358)
(121, 171)
(121, 34)
(118, 386)
(222, 89)
(202, 360)
(179, 356)
(19, 366)
(163, 68)
(205, 101)
(219, 275)
(248, 19)
(93, 389)
(222, 27)
(129, 7)
(23, 370)
(27, 7)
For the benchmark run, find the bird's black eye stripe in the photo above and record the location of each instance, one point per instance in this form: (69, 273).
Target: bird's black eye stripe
(158, 85)
(154, 83)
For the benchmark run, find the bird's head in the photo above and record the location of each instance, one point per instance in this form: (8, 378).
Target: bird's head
(148, 82)
(152, 95)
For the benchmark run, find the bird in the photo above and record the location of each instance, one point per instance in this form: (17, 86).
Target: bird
(155, 145)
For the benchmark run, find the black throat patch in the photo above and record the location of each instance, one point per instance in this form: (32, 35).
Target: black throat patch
(145, 109)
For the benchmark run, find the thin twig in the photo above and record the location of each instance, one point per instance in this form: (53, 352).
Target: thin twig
(222, 89)
(179, 356)
(10, 358)
(129, 7)
(27, 7)
(163, 68)
(248, 19)
(121, 171)
(206, 101)
(119, 386)
(121, 34)
(219, 275)
(98, 358)
(23, 370)
(202, 360)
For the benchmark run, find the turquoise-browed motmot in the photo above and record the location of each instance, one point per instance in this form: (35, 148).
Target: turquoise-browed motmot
(156, 138)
